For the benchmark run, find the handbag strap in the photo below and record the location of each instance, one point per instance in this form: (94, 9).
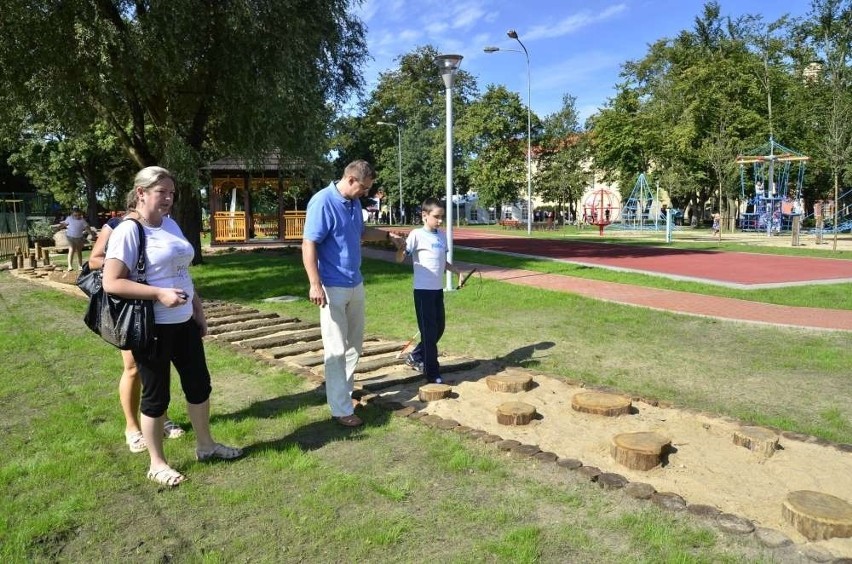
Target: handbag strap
(140, 262)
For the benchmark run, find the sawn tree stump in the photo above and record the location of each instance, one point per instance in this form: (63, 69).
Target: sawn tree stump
(515, 413)
(432, 392)
(757, 439)
(600, 403)
(818, 516)
(638, 451)
(512, 382)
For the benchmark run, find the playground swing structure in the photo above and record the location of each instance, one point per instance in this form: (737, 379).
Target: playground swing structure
(642, 210)
(774, 203)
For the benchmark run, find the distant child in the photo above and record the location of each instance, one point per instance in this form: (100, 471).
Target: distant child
(427, 247)
(76, 230)
(716, 223)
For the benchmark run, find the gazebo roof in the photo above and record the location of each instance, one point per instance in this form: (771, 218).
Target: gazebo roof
(268, 163)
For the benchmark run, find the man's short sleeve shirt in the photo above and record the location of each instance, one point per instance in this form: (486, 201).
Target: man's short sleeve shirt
(335, 225)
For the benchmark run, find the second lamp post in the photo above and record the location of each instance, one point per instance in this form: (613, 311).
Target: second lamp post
(514, 35)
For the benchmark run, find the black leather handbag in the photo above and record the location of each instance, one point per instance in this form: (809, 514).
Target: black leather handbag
(90, 281)
(124, 323)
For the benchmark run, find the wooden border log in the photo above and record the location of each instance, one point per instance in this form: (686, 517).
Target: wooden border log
(639, 451)
(600, 403)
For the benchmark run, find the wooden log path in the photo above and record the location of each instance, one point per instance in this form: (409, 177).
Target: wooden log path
(297, 344)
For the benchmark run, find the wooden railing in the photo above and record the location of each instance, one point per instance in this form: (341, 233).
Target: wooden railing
(265, 225)
(294, 224)
(10, 241)
(229, 226)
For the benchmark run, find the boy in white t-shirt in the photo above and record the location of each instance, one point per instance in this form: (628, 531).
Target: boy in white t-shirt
(427, 247)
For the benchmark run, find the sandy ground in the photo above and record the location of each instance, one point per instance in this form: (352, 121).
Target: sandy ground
(707, 468)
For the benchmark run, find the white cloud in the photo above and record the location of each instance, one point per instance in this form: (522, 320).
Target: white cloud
(581, 68)
(437, 28)
(573, 23)
(578, 76)
(396, 27)
(467, 15)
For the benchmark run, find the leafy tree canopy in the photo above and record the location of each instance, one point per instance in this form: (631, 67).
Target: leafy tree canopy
(181, 83)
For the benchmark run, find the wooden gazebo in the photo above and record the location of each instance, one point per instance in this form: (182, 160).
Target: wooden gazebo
(257, 201)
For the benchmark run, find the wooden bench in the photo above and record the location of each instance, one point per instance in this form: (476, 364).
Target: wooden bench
(509, 224)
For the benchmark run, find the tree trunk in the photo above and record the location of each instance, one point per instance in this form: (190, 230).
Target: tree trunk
(639, 451)
(509, 381)
(88, 173)
(187, 213)
(433, 392)
(515, 413)
(818, 515)
(601, 403)
(757, 439)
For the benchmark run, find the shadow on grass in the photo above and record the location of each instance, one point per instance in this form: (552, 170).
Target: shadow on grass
(316, 435)
(308, 437)
(522, 357)
(272, 407)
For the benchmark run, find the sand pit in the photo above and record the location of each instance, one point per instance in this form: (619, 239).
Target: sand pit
(704, 465)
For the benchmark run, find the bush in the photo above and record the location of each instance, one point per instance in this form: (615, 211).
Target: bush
(40, 229)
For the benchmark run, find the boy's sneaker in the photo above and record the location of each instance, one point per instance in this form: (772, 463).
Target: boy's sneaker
(437, 380)
(412, 363)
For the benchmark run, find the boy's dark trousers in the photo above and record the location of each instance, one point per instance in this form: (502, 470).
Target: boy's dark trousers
(429, 307)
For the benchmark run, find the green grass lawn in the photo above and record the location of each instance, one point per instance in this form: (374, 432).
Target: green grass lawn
(794, 379)
(394, 491)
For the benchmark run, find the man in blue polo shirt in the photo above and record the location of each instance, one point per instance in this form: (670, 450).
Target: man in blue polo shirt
(331, 253)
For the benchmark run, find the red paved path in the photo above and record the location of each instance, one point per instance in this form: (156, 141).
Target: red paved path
(667, 300)
(679, 302)
(746, 270)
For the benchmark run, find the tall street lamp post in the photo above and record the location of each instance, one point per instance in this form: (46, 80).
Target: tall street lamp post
(399, 164)
(449, 66)
(514, 35)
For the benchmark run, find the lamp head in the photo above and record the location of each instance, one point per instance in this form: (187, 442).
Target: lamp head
(448, 65)
(491, 49)
(512, 34)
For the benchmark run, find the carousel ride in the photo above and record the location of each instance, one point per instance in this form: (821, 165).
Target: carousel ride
(773, 191)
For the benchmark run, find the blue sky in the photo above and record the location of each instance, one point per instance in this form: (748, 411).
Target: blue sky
(575, 47)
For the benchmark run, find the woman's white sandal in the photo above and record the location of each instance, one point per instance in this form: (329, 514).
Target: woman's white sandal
(166, 477)
(135, 442)
(218, 451)
(172, 430)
